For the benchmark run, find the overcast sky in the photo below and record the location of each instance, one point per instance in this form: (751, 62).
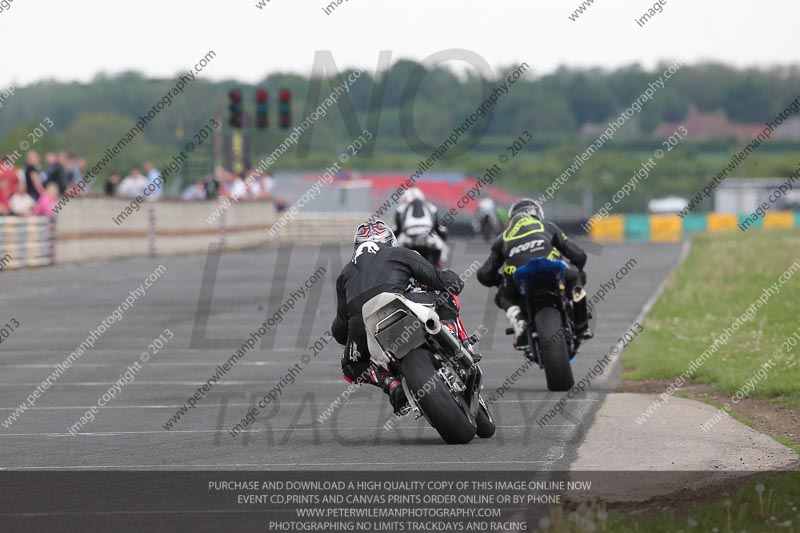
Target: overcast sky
(73, 40)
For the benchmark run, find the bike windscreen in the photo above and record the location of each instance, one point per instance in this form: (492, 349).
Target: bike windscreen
(539, 273)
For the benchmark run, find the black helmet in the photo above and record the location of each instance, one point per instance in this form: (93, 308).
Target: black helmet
(528, 206)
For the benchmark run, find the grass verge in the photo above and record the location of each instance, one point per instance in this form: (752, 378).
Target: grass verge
(714, 288)
(768, 503)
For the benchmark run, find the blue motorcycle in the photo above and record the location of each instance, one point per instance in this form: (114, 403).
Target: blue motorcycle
(552, 343)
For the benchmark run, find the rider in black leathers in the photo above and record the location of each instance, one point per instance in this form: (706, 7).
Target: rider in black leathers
(528, 236)
(378, 266)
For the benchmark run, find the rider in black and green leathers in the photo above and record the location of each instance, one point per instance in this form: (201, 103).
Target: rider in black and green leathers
(527, 237)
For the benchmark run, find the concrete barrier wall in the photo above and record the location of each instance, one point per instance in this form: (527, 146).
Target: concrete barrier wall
(91, 228)
(320, 228)
(86, 228)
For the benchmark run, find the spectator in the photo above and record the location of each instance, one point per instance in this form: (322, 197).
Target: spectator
(254, 190)
(225, 180)
(44, 207)
(238, 188)
(76, 168)
(5, 209)
(196, 191)
(55, 171)
(153, 178)
(133, 185)
(21, 203)
(267, 185)
(211, 186)
(66, 177)
(71, 168)
(7, 185)
(33, 175)
(111, 184)
(261, 186)
(8, 174)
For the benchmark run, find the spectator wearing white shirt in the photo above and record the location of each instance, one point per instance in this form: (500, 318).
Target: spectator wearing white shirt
(133, 185)
(261, 186)
(238, 188)
(254, 188)
(196, 191)
(154, 179)
(267, 184)
(21, 203)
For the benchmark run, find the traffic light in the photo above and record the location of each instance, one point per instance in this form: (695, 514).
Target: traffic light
(285, 97)
(235, 107)
(262, 120)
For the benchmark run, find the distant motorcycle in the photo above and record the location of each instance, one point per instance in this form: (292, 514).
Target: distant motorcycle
(486, 222)
(441, 379)
(487, 226)
(551, 331)
(423, 241)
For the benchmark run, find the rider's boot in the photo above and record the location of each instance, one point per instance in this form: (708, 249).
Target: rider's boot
(519, 324)
(397, 397)
(582, 315)
(393, 387)
(387, 381)
(444, 257)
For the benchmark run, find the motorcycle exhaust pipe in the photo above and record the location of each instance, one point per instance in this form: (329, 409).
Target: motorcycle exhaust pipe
(443, 335)
(448, 340)
(433, 326)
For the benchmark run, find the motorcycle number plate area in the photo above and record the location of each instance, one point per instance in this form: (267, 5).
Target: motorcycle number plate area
(415, 231)
(401, 336)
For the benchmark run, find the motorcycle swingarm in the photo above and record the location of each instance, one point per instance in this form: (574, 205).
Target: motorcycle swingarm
(474, 387)
(412, 401)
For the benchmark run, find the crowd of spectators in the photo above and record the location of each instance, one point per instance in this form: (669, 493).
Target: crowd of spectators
(135, 183)
(33, 190)
(249, 185)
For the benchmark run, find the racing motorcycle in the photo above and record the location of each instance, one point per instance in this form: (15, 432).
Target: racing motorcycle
(440, 377)
(552, 342)
(487, 226)
(424, 242)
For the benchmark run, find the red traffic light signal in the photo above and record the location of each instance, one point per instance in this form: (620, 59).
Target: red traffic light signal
(285, 99)
(262, 119)
(235, 108)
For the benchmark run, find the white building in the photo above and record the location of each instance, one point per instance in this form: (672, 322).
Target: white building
(743, 196)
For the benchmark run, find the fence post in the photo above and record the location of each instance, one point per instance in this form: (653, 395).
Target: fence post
(51, 239)
(223, 220)
(153, 229)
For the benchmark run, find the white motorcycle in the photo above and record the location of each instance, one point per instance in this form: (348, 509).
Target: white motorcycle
(426, 243)
(441, 379)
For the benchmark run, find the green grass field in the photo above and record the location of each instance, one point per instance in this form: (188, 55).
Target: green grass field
(723, 275)
(769, 503)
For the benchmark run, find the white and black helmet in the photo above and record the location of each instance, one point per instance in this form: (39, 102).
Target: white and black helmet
(528, 206)
(377, 231)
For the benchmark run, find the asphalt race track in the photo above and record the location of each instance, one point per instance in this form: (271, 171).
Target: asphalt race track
(57, 307)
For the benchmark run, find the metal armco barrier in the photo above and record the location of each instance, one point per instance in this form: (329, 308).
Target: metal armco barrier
(28, 241)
